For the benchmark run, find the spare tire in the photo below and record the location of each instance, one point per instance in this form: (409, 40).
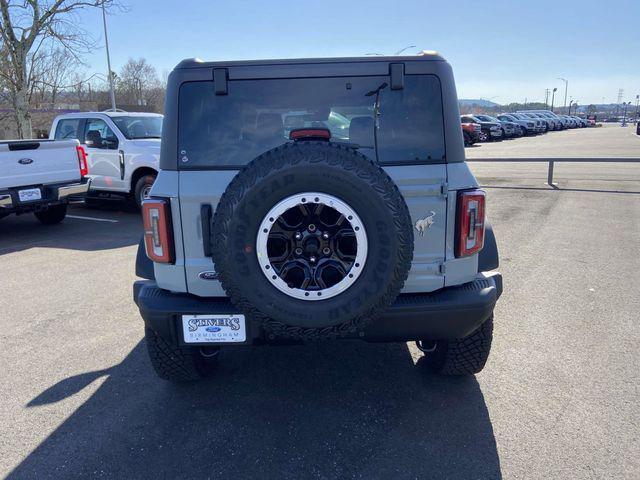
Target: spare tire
(313, 240)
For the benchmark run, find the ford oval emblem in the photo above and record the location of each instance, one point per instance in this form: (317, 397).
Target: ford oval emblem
(25, 161)
(212, 329)
(208, 275)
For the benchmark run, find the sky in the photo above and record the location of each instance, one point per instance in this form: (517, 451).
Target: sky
(504, 51)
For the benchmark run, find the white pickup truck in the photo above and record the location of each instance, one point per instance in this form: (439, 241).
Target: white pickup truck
(123, 150)
(39, 176)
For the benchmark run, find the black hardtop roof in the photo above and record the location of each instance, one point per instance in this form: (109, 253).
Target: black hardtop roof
(198, 63)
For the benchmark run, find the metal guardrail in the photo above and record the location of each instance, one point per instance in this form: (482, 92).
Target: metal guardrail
(552, 161)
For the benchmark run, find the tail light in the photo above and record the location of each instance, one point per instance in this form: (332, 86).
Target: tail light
(470, 222)
(82, 161)
(310, 134)
(158, 234)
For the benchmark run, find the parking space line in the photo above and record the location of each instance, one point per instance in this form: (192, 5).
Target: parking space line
(93, 218)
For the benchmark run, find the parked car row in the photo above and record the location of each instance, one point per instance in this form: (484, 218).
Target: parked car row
(554, 121)
(484, 128)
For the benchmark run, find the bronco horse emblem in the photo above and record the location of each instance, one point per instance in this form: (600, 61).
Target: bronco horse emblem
(424, 224)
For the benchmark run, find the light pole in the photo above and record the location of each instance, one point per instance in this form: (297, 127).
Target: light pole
(109, 75)
(566, 86)
(570, 102)
(637, 103)
(624, 113)
(553, 94)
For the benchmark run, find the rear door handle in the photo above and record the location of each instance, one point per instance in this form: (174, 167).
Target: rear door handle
(205, 219)
(121, 160)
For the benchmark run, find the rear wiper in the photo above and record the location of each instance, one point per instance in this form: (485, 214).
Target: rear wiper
(376, 92)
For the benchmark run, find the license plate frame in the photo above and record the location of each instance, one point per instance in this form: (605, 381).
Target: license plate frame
(29, 195)
(215, 328)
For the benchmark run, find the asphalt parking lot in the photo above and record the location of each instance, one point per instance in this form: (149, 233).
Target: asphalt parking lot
(557, 399)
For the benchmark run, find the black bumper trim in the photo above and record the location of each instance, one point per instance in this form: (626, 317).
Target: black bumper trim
(52, 194)
(453, 312)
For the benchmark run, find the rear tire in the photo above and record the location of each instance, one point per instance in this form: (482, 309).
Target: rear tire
(467, 139)
(52, 215)
(179, 364)
(465, 356)
(142, 188)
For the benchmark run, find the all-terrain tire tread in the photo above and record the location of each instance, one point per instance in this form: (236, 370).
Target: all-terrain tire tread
(175, 364)
(468, 355)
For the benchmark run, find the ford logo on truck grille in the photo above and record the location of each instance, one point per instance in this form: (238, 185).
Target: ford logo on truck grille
(25, 161)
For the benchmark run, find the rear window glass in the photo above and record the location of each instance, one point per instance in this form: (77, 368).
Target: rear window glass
(133, 127)
(258, 115)
(68, 129)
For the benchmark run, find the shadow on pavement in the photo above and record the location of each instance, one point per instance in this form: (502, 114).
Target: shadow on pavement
(23, 232)
(327, 410)
(67, 387)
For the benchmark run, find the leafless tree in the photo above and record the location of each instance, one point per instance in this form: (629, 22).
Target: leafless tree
(28, 28)
(138, 82)
(53, 71)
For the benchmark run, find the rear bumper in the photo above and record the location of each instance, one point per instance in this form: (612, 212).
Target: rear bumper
(51, 195)
(475, 136)
(75, 189)
(453, 312)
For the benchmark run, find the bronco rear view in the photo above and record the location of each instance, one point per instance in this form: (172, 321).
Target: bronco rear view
(304, 200)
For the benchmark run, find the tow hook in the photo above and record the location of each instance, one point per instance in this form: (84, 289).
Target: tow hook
(427, 347)
(209, 352)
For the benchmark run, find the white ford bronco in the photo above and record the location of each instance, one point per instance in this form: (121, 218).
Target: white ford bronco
(313, 199)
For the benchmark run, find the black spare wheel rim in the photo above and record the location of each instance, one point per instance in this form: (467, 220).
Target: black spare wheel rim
(311, 246)
(313, 240)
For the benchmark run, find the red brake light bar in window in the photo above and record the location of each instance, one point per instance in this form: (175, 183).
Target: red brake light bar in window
(470, 222)
(158, 234)
(310, 134)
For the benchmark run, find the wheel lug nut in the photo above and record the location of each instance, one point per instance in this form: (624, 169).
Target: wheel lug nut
(312, 228)
(326, 250)
(298, 251)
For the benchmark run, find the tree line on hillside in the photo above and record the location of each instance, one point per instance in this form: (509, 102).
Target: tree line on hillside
(470, 108)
